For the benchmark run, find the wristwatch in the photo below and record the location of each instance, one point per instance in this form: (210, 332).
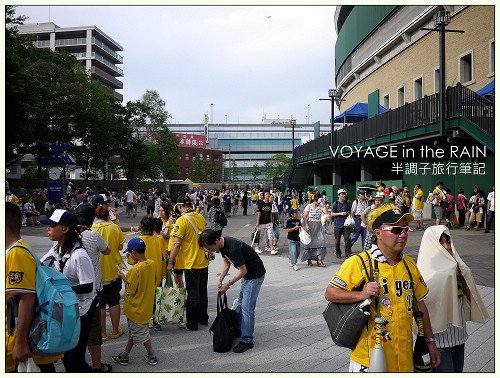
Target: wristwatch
(430, 340)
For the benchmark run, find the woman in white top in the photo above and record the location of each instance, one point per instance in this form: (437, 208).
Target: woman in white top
(68, 256)
(453, 297)
(316, 249)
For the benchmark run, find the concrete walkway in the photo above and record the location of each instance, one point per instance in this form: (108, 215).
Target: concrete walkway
(290, 332)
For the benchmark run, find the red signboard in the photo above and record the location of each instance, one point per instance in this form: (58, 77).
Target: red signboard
(191, 140)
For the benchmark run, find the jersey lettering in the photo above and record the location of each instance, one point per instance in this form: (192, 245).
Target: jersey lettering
(402, 285)
(385, 286)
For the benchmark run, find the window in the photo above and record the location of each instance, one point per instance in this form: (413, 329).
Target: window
(401, 96)
(437, 78)
(418, 88)
(466, 68)
(492, 58)
(387, 101)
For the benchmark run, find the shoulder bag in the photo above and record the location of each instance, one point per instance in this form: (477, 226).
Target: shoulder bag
(347, 321)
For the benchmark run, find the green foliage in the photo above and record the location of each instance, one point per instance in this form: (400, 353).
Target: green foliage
(276, 165)
(156, 113)
(163, 155)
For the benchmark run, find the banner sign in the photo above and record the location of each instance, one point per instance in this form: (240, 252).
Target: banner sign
(56, 191)
(192, 140)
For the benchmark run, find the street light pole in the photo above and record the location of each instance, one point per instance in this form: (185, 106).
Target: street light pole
(441, 19)
(308, 113)
(334, 99)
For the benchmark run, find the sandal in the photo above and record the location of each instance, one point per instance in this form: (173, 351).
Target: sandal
(105, 338)
(321, 263)
(309, 263)
(118, 334)
(105, 368)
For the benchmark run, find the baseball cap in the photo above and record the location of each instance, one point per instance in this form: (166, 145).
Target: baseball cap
(85, 210)
(391, 216)
(62, 217)
(292, 211)
(361, 191)
(183, 200)
(135, 244)
(380, 195)
(100, 199)
(341, 191)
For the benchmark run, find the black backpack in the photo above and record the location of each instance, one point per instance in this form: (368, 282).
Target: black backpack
(225, 327)
(220, 218)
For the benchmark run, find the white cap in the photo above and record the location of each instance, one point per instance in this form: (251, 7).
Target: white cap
(341, 191)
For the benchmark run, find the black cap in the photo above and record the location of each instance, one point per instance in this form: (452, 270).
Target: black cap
(100, 199)
(391, 216)
(183, 200)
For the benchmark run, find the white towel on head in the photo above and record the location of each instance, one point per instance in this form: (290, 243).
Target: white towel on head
(439, 270)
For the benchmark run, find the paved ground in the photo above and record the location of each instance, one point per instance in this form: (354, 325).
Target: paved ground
(290, 333)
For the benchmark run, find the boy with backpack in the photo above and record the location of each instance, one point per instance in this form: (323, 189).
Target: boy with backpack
(216, 218)
(139, 298)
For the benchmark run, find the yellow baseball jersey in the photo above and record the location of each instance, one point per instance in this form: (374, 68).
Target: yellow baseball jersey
(255, 196)
(439, 192)
(294, 203)
(154, 252)
(140, 292)
(20, 278)
(190, 255)
(395, 304)
(418, 203)
(113, 236)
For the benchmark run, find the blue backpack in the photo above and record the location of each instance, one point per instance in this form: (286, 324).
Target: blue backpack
(56, 325)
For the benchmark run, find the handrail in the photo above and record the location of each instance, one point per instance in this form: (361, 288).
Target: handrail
(461, 102)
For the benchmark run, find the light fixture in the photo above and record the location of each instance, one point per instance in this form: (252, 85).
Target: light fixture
(441, 18)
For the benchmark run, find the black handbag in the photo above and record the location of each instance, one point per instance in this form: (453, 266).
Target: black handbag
(346, 321)
(225, 327)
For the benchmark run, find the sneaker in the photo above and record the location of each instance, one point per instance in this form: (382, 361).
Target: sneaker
(242, 347)
(121, 359)
(295, 267)
(151, 360)
(156, 326)
(266, 249)
(181, 325)
(339, 256)
(258, 250)
(274, 251)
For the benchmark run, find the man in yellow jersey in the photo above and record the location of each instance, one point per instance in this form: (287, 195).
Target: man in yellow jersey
(20, 291)
(190, 257)
(111, 283)
(417, 206)
(393, 289)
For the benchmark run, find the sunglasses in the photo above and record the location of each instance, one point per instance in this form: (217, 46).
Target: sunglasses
(396, 230)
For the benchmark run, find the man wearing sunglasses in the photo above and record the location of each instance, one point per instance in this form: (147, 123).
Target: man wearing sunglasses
(391, 294)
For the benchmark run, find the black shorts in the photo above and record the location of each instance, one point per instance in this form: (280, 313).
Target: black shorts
(110, 293)
(179, 272)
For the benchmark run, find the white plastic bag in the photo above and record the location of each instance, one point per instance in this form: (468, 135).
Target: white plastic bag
(28, 366)
(304, 236)
(349, 222)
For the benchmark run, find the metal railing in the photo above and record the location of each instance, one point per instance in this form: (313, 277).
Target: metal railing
(461, 102)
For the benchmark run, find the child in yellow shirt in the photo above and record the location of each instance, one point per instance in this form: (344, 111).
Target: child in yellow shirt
(140, 282)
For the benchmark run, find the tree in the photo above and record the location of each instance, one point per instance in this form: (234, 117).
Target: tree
(127, 144)
(163, 155)
(276, 165)
(256, 172)
(157, 115)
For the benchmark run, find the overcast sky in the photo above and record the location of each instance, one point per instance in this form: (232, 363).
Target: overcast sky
(246, 61)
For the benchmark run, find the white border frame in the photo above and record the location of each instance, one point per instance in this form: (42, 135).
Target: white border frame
(404, 95)
(421, 77)
(491, 64)
(473, 79)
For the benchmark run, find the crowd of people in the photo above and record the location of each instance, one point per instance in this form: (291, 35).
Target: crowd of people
(177, 237)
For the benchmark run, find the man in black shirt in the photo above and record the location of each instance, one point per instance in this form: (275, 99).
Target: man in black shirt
(292, 229)
(251, 271)
(264, 223)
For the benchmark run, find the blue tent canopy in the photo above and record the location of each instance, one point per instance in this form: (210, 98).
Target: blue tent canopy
(356, 113)
(488, 89)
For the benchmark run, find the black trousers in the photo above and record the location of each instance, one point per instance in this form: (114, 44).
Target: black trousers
(197, 297)
(461, 218)
(338, 232)
(74, 359)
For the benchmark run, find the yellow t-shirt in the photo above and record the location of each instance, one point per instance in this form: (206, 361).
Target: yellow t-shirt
(255, 196)
(190, 255)
(395, 304)
(20, 277)
(113, 236)
(154, 252)
(440, 194)
(294, 203)
(140, 292)
(163, 245)
(418, 203)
